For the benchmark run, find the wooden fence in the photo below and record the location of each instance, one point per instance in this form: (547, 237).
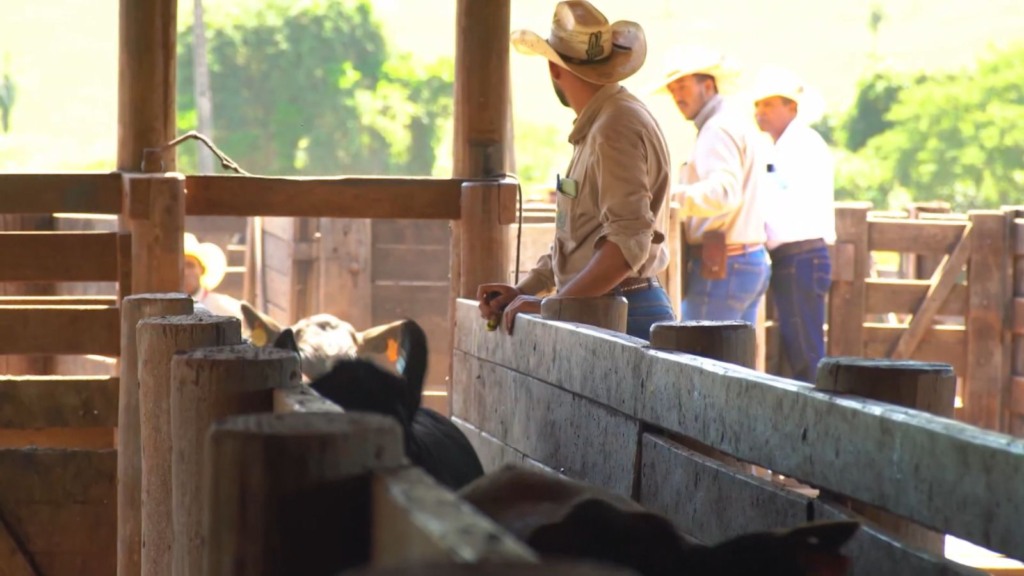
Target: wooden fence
(605, 408)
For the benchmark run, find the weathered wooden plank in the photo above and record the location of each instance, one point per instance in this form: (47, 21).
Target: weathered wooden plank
(410, 263)
(60, 438)
(990, 287)
(946, 475)
(904, 296)
(346, 267)
(846, 297)
(58, 301)
(1017, 395)
(301, 399)
(943, 343)
(941, 283)
(709, 500)
(876, 554)
(58, 257)
(915, 236)
(80, 193)
(561, 430)
(58, 401)
(493, 453)
(60, 330)
(346, 197)
(57, 477)
(417, 521)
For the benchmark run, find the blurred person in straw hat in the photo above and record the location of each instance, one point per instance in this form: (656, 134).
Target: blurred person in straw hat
(720, 194)
(611, 215)
(205, 266)
(798, 239)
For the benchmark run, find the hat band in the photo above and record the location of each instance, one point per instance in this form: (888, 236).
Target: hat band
(601, 60)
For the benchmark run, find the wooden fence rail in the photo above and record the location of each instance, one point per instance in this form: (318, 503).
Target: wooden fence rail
(604, 408)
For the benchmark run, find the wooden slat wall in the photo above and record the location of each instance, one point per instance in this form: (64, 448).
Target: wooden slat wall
(58, 402)
(82, 193)
(60, 330)
(903, 296)
(914, 236)
(58, 256)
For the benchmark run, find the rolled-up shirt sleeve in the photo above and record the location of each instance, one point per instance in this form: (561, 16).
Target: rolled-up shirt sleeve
(624, 195)
(541, 277)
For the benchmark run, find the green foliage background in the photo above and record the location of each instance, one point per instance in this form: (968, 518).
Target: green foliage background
(312, 88)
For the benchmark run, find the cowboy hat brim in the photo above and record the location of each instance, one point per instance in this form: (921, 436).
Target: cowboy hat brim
(686, 62)
(214, 263)
(629, 51)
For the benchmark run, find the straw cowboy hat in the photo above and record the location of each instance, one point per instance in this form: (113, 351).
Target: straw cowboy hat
(585, 43)
(778, 81)
(687, 60)
(210, 257)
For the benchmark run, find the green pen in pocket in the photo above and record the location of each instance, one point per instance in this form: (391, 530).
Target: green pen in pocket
(565, 186)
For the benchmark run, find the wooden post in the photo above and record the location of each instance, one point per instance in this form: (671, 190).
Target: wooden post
(129, 444)
(155, 207)
(158, 340)
(289, 494)
(481, 102)
(990, 296)
(1015, 416)
(485, 206)
(206, 385)
(926, 386)
(146, 81)
(847, 294)
(563, 567)
(608, 312)
(732, 341)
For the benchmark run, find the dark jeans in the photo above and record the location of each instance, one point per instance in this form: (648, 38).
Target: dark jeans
(800, 283)
(646, 307)
(735, 297)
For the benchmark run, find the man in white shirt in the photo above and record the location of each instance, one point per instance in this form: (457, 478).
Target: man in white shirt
(205, 266)
(800, 217)
(720, 195)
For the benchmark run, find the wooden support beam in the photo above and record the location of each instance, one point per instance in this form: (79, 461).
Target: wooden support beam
(155, 210)
(58, 402)
(346, 197)
(914, 236)
(146, 81)
(77, 193)
(904, 296)
(847, 294)
(484, 223)
(58, 256)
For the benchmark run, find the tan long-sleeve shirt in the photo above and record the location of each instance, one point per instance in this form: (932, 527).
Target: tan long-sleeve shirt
(620, 166)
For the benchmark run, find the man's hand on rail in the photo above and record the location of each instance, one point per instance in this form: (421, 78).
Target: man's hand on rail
(499, 301)
(522, 303)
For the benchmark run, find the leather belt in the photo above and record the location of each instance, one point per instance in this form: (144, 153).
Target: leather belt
(730, 249)
(790, 248)
(634, 284)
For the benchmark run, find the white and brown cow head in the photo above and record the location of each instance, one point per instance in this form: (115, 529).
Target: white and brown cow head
(323, 339)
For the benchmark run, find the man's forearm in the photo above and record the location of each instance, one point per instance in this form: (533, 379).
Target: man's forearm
(605, 271)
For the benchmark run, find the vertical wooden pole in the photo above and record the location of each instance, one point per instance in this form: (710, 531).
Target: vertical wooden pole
(155, 207)
(206, 385)
(146, 81)
(926, 386)
(1015, 400)
(608, 312)
(158, 340)
(481, 119)
(847, 294)
(129, 444)
(289, 493)
(990, 295)
(485, 253)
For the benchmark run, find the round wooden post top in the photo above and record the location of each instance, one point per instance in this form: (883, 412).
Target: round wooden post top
(195, 318)
(158, 296)
(237, 353)
(553, 567)
(849, 374)
(608, 312)
(733, 341)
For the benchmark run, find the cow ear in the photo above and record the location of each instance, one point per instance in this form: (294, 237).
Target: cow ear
(381, 339)
(286, 341)
(262, 328)
(817, 546)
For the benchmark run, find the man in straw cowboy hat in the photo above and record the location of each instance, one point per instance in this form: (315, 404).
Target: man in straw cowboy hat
(720, 194)
(798, 239)
(205, 266)
(609, 228)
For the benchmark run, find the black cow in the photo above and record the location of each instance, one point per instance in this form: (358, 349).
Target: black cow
(432, 441)
(558, 517)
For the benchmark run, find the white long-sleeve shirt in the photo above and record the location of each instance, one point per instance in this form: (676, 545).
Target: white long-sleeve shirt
(801, 204)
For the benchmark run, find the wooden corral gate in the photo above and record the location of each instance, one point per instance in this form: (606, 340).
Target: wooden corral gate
(367, 272)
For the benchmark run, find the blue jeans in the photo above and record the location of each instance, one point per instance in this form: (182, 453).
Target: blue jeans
(799, 284)
(734, 297)
(647, 307)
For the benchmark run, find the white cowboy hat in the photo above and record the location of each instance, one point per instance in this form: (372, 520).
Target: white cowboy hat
(687, 60)
(212, 259)
(585, 43)
(778, 81)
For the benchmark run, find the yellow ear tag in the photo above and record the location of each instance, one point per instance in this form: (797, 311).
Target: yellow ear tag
(258, 337)
(392, 350)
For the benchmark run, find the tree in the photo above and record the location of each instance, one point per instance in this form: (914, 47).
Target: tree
(311, 88)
